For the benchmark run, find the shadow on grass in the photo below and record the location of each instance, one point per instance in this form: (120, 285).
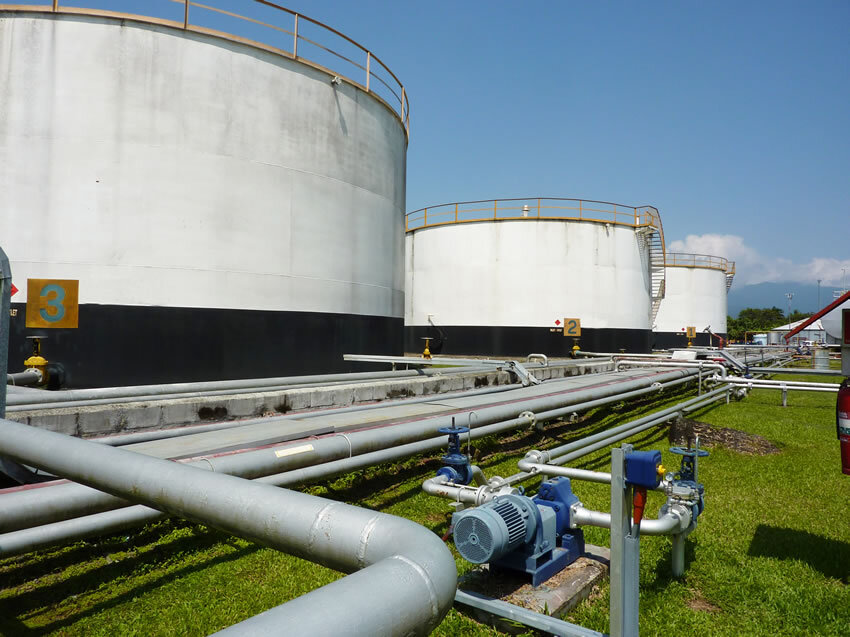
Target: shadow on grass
(664, 567)
(158, 555)
(830, 557)
(9, 609)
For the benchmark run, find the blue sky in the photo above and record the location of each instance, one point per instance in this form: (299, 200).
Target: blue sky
(732, 118)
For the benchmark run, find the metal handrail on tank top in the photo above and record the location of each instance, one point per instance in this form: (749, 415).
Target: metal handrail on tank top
(255, 32)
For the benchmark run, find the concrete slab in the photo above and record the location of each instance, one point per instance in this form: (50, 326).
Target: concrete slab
(249, 436)
(555, 597)
(145, 415)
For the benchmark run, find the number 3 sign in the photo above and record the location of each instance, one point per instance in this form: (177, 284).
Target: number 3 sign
(52, 303)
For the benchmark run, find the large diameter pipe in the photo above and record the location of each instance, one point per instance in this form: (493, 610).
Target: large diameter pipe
(56, 533)
(40, 506)
(399, 562)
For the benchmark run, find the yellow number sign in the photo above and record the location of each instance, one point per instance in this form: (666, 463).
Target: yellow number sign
(572, 327)
(53, 303)
(691, 331)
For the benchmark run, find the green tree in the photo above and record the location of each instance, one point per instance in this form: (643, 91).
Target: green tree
(753, 319)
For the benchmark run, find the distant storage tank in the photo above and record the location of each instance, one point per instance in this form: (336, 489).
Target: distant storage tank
(832, 320)
(229, 208)
(697, 285)
(502, 277)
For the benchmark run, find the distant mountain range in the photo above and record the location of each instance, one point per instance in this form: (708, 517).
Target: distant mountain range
(762, 295)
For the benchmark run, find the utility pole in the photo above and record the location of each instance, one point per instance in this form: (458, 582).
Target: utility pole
(819, 280)
(789, 296)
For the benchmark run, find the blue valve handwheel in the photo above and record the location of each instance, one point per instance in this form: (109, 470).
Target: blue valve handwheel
(682, 451)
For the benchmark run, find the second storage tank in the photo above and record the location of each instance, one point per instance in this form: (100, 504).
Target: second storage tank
(697, 285)
(502, 277)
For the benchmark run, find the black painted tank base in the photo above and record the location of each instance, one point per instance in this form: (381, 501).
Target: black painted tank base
(673, 340)
(521, 341)
(119, 345)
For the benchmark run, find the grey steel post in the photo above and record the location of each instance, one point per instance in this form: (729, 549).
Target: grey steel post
(625, 553)
(5, 302)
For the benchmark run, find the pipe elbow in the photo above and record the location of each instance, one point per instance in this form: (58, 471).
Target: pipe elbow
(424, 560)
(672, 520)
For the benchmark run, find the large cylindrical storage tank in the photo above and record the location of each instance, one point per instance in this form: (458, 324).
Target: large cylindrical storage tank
(697, 285)
(500, 278)
(230, 209)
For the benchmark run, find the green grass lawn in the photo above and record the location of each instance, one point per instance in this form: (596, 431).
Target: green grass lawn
(771, 554)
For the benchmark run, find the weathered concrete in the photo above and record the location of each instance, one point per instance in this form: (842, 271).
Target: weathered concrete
(555, 597)
(99, 420)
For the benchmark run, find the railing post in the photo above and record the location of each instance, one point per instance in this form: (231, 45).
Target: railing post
(185, 14)
(538, 208)
(295, 38)
(368, 69)
(495, 209)
(403, 98)
(579, 208)
(455, 213)
(55, 5)
(425, 220)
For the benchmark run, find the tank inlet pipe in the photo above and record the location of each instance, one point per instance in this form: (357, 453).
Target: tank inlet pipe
(392, 559)
(40, 506)
(26, 377)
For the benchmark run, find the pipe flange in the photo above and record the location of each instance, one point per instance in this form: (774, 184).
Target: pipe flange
(537, 457)
(530, 415)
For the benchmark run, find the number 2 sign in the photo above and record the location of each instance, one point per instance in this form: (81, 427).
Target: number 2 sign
(53, 303)
(572, 327)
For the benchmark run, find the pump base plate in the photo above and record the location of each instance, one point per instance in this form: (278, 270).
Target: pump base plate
(557, 595)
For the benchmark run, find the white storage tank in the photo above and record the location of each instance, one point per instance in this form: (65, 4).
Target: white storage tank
(502, 277)
(229, 209)
(696, 296)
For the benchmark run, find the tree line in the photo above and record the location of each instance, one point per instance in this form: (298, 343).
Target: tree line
(753, 319)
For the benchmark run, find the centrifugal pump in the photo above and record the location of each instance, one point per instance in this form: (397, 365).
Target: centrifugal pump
(515, 532)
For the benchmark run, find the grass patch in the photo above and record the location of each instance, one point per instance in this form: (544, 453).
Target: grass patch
(771, 554)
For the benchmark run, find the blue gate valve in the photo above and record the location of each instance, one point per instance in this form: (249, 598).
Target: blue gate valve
(688, 472)
(457, 468)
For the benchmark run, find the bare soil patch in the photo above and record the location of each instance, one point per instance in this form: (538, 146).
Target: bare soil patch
(700, 603)
(684, 431)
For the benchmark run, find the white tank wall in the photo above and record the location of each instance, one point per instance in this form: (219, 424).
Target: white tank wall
(174, 169)
(694, 296)
(527, 273)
